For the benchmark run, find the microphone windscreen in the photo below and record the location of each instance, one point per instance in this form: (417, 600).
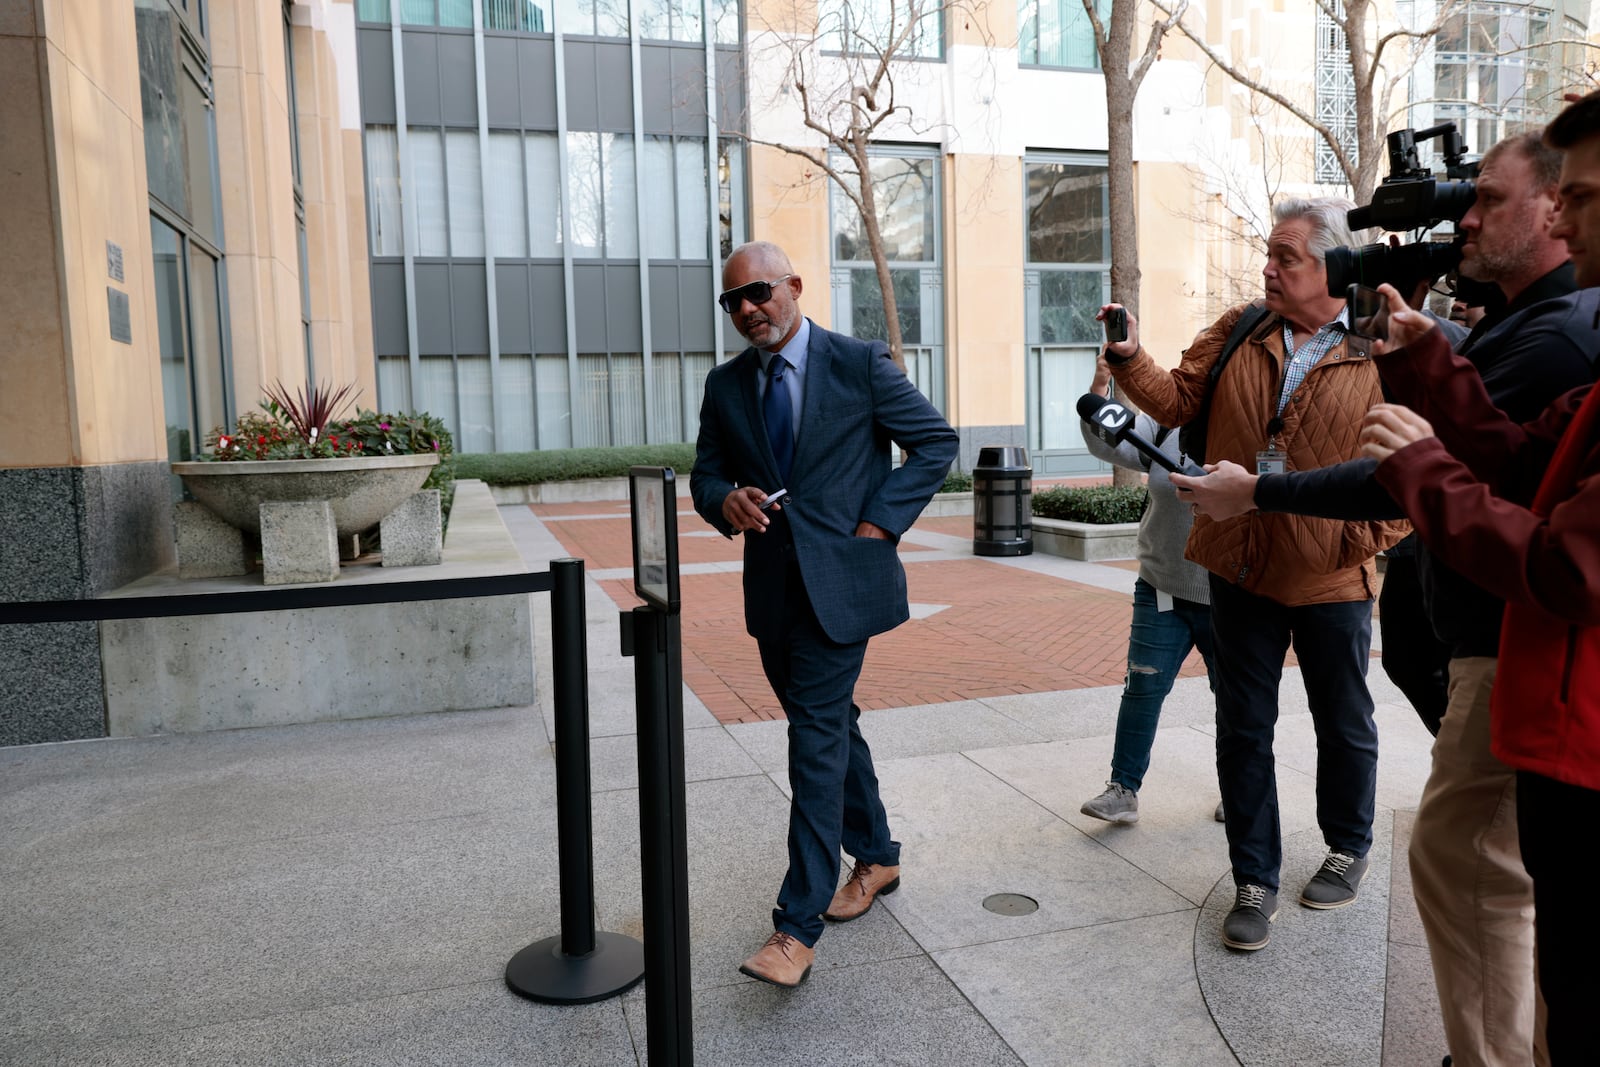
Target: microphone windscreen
(1089, 404)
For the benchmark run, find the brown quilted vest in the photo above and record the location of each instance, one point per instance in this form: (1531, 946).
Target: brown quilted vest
(1293, 559)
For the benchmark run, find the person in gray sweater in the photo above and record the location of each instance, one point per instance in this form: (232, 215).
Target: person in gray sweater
(1171, 614)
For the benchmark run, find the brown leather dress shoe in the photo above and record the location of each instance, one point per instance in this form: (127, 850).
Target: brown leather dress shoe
(782, 961)
(866, 881)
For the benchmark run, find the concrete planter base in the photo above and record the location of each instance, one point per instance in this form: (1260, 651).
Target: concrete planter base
(1084, 540)
(212, 672)
(361, 489)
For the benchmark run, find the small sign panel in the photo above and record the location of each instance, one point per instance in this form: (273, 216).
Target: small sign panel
(114, 262)
(121, 322)
(653, 499)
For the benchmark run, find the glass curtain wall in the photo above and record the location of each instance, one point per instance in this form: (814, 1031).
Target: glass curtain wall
(593, 229)
(1067, 277)
(185, 224)
(906, 184)
(1495, 71)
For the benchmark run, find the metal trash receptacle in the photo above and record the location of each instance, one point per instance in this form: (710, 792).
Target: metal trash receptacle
(1002, 502)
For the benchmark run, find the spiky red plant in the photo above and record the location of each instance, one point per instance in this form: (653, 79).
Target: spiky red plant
(310, 413)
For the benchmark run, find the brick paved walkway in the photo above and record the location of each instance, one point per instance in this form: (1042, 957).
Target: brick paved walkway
(989, 629)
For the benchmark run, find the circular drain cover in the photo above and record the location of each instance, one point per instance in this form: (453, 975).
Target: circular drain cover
(1010, 904)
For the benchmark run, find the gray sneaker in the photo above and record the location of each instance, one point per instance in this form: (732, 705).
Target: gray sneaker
(1249, 925)
(1334, 884)
(1117, 804)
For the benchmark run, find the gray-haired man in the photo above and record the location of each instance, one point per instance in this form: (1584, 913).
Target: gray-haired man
(1291, 397)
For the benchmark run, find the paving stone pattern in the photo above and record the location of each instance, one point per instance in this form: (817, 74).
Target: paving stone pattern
(999, 631)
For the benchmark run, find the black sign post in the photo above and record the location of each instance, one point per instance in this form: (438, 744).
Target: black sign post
(653, 636)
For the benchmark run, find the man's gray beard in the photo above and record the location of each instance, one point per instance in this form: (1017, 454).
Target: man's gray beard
(1502, 263)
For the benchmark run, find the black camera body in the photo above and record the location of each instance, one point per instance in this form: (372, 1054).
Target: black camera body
(1410, 198)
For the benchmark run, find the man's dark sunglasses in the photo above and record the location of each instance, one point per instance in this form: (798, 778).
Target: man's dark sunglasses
(757, 293)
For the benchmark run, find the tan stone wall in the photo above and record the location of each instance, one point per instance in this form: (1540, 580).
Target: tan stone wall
(72, 134)
(789, 207)
(335, 206)
(258, 219)
(984, 319)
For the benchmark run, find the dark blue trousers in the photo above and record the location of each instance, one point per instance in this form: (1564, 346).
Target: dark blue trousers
(1251, 635)
(1158, 643)
(835, 790)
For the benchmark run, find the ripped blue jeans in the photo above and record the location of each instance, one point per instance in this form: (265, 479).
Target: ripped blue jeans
(1158, 644)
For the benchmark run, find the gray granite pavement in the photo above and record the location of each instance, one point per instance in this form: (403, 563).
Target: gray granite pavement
(349, 893)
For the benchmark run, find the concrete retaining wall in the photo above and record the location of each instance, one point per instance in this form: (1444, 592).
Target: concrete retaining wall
(1086, 541)
(209, 672)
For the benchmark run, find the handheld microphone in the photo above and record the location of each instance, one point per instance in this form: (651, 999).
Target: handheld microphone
(1113, 424)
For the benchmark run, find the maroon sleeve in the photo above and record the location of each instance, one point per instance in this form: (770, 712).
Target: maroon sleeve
(1552, 562)
(1446, 389)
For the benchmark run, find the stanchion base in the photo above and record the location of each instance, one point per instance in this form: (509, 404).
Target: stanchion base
(541, 972)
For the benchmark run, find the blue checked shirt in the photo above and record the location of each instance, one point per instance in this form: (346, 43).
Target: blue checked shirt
(1308, 355)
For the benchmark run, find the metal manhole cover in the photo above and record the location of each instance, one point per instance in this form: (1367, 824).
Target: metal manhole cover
(1010, 904)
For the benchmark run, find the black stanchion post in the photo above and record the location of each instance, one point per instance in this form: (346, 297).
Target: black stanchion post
(654, 639)
(578, 966)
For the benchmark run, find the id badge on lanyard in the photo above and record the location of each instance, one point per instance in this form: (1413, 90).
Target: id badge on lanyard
(1272, 459)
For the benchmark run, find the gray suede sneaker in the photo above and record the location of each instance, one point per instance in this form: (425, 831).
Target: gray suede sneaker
(1249, 925)
(1334, 884)
(1117, 804)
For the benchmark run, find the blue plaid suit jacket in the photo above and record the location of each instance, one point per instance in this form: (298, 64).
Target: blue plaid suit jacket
(857, 403)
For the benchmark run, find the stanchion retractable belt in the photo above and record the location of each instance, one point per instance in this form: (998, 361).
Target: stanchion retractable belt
(338, 595)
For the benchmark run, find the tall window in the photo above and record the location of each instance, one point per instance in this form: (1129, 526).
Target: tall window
(186, 225)
(1067, 278)
(1336, 96)
(675, 172)
(600, 190)
(1057, 33)
(593, 18)
(670, 20)
(906, 188)
(731, 202)
(524, 182)
(525, 16)
(911, 29)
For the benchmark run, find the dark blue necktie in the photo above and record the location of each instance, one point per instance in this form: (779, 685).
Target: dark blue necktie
(779, 416)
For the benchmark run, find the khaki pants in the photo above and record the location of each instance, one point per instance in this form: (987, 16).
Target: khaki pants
(1475, 898)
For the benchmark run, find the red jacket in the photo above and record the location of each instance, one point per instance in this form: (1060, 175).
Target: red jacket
(1517, 509)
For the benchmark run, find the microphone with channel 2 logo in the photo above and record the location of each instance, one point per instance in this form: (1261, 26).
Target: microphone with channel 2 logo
(1113, 424)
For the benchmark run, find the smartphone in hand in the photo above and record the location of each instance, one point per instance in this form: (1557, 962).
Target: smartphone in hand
(1116, 325)
(1369, 313)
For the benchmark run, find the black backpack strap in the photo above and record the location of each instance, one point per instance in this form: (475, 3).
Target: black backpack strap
(1192, 437)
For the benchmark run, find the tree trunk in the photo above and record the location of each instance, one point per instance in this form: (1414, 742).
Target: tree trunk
(880, 262)
(1120, 91)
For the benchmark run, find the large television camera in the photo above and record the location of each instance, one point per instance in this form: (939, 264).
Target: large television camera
(1410, 198)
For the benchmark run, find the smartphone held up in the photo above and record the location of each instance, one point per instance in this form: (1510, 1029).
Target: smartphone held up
(1116, 325)
(1369, 313)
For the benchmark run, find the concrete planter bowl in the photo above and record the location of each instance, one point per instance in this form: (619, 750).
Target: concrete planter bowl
(361, 489)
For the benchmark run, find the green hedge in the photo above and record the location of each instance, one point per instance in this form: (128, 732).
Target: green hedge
(957, 482)
(1096, 503)
(568, 464)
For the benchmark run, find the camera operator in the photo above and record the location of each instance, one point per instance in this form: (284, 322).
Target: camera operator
(1474, 897)
(1519, 505)
(1291, 396)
